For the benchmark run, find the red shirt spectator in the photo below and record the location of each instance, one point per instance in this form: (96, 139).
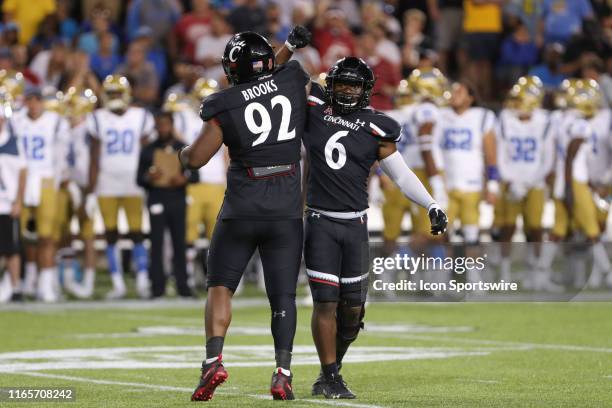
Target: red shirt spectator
(191, 27)
(333, 38)
(387, 75)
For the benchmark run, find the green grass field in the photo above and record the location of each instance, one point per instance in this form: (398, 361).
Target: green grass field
(137, 354)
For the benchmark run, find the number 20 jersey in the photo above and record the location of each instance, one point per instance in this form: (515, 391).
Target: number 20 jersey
(263, 124)
(342, 150)
(120, 140)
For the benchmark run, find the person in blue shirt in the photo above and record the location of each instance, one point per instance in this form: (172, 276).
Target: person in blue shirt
(560, 19)
(549, 70)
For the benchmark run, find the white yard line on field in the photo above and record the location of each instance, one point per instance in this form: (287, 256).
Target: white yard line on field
(548, 346)
(184, 389)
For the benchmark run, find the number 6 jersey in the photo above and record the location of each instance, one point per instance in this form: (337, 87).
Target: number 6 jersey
(342, 150)
(262, 123)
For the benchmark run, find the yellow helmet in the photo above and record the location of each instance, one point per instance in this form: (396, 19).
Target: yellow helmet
(526, 94)
(176, 103)
(585, 96)
(13, 84)
(430, 85)
(79, 102)
(6, 108)
(204, 87)
(562, 93)
(321, 79)
(116, 92)
(53, 100)
(403, 94)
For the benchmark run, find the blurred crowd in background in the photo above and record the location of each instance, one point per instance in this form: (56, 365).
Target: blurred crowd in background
(168, 44)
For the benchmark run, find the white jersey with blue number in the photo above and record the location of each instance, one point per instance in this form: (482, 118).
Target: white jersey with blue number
(411, 118)
(461, 140)
(12, 161)
(525, 147)
(600, 157)
(44, 142)
(188, 125)
(572, 127)
(120, 139)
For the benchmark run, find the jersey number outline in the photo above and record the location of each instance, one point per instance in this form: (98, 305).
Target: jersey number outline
(34, 147)
(263, 129)
(334, 145)
(523, 149)
(120, 142)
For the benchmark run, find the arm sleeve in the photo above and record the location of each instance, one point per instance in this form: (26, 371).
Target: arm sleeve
(395, 167)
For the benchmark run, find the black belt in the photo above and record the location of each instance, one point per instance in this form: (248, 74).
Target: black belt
(263, 172)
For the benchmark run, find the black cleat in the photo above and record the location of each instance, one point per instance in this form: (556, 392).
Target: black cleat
(213, 375)
(336, 389)
(281, 385)
(317, 387)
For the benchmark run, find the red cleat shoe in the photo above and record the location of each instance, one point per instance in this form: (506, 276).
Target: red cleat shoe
(213, 375)
(281, 385)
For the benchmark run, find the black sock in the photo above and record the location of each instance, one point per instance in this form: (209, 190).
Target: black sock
(283, 359)
(330, 371)
(214, 346)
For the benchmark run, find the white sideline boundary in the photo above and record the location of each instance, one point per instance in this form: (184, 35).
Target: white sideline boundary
(185, 389)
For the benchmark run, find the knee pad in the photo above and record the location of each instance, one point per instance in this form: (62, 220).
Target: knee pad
(471, 234)
(135, 237)
(112, 236)
(349, 320)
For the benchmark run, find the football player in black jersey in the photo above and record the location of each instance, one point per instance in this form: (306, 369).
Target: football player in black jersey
(260, 118)
(344, 138)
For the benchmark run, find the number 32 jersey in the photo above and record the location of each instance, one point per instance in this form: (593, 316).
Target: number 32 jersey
(342, 150)
(263, 124)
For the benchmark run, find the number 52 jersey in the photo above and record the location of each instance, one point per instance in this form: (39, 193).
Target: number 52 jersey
(342, 150)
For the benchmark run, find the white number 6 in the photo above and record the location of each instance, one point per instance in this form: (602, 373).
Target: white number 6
(332, 145)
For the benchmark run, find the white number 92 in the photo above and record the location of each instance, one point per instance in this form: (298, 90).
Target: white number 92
(263, 129)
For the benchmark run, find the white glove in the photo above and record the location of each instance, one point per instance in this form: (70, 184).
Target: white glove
(439, 191)
(76, 197)
(517, 191)
(91, 205)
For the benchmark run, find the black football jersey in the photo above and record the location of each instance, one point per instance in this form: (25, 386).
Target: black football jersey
(342, 150)
(263, 123)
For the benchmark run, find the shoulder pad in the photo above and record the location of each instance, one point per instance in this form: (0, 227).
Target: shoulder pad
(383, 126)
(211, 106)
(317, 95)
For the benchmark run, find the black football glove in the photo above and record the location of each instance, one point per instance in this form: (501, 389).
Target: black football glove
(438, 220)
(299, 37)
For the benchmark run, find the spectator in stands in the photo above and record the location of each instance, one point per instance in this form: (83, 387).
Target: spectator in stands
(332, 36)
(48, 33)
(549, 71)
(527, 13)
(190, 28)
(209, 49)
(28, 15)
(68, 27)
(10, 34)
(6, 59)
(386, 48)
(106, 60)
(19, 57)
(275, 29)
(187, 74)
(155, 55)
(248, 17)
(161, 14)
(593, 68)
(141, 74)
(482, 25)
(415, 40)
(560, 19)
(447, 15)
(49, 65)
(518, 53)
(387, 75)
(78, 73)
(100, 26)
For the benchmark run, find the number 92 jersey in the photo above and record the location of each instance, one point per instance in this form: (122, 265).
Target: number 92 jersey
(263, 124)
(342, 150)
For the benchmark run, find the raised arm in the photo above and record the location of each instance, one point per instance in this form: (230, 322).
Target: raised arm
(299, 37)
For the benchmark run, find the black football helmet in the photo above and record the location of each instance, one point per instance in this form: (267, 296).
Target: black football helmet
(352, 71)
(247, 56)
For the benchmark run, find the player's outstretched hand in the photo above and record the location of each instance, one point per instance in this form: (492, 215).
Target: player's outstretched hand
(438, 220)
(299, 37)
